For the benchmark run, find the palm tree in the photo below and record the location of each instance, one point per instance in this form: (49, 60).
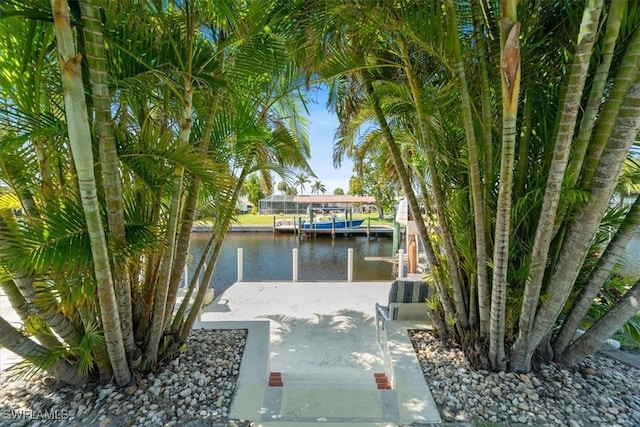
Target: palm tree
(318, 187)
(564, 138)
(301, 180)
(81, 148)
(283, 188)
(536, 227)
(155, 116)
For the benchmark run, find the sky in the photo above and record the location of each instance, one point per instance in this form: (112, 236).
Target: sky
(322, 128)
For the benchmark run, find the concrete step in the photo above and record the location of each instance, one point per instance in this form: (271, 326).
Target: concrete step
(339, 406)
(364, 381)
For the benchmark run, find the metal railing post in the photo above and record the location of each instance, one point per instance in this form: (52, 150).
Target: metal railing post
(350, 265)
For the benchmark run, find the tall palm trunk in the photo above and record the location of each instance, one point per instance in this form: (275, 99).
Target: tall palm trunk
(522, 165)
(579, 148)
(14, 341)
(564, 137)
(447, 239)
(474, 178)
(156, 328)
(580, 232)
(80, 140)
(607, 117)
(94, 40)
(606, 326)
(159, 318)
(179, 317)
(194, 312)
(184, 237)
(24, 282)
(612, 254)
(510, 76)
(220, 228)
(24, 310)
(398, 164)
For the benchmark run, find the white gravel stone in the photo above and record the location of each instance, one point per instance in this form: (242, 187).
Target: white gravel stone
(600, 391)
(143, 403)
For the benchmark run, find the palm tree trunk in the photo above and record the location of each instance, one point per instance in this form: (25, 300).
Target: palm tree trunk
(487, 118)
(159, 318)
(449, 248)
(179, 317)
(522, 165)
(398, 163)
(55, 319)
(150, 280)
(94, 40)
(612, 254)
(606, 326)
(607, 117)
(202, 290)
(579, 148)
(510, 76)
(182, 245)
(564, 137)
(80, 140)
(150, 356)
(580, 232)
(474, 178)
(220, 229)
(98, 349)
(13, 340)
(23, 308)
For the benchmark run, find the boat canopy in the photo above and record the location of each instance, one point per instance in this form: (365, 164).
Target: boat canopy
(327, 209)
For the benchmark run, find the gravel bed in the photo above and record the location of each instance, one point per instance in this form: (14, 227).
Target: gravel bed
(599, 392)
(194, 389)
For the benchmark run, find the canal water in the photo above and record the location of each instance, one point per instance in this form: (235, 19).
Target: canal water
(269, 257)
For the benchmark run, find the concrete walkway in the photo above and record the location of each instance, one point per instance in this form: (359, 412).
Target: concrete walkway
(321, 356)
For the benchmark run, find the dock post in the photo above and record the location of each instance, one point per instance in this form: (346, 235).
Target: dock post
(400, 263)
(295, 264)
(350, 265)
(240, 263)
(274, 225)
(396, 237)
(368, 227)
(333, 227)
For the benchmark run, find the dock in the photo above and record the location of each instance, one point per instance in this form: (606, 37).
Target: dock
(373, 231)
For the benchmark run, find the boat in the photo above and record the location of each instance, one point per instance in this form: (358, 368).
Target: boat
(339, 224)
(330, 218)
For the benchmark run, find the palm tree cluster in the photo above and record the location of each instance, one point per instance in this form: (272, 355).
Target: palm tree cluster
(511, 122)
(118, 121)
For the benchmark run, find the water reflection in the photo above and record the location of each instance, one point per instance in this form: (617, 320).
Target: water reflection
(269, 258)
